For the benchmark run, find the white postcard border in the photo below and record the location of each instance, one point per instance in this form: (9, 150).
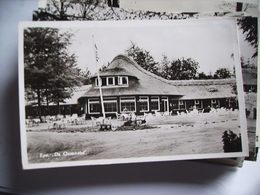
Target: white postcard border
(90, 24)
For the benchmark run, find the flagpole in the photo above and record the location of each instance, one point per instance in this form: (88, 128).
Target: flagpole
(99, 80)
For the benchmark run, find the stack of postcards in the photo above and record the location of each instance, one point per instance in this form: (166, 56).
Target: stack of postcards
(109, 81)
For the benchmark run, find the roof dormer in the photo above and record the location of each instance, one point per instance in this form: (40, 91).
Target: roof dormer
(112, 81)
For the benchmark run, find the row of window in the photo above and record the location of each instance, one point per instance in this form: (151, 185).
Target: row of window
(112, 81)
(182, 104)
(127, 104)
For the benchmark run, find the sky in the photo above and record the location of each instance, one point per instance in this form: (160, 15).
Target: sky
(210, 42)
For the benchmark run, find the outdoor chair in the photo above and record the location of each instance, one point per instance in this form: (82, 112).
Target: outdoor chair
(93, 120)
(28, 122)
(36, 121)
(59, 124)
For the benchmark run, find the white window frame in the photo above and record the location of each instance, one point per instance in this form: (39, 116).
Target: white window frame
(131, 100)
(120, 80)
(214, 101)
(93, 102)
(156, 99)
(182, 103)
(166, 99)
(111, 101)
(144, 99)
(196, 102)
(113, 78)
(119, 84)
(96, 82)
(105, 78)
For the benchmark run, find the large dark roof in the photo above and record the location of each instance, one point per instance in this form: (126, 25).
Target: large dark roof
(151, 84)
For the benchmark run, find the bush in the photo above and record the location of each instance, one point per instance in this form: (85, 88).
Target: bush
(232, 142)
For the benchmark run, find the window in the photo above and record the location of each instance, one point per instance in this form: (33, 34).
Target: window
(197, 102)
(155, 104)
(214, 103)
(116, 80)
(182, 104)
(123, 80)
(143, 104)
(127, 104)
(96, 80)
(110, 107)
(104, 81)
(94, 108)
(110, 81)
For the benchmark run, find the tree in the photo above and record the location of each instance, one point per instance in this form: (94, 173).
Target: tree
(204, 76)
(143, 58)
(113, 3)
(180, 69)
(231, 141)
(86, 77)
(65, 10)
(98, 10)
(222, 73)
(49, 69)
(249, 27)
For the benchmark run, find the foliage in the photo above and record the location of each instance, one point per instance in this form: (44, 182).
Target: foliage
(50, 70)
(204, 76)
(222, 73)
(143, 58)
(85, 77)
(63, 10)
(98, 10)
(180, 69)
(232, 142)
(249, 27)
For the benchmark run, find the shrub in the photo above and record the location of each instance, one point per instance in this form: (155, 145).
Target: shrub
(231, 141)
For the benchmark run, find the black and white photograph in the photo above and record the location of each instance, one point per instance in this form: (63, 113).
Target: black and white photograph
(142, 9)
(134, 91)
(175, 10)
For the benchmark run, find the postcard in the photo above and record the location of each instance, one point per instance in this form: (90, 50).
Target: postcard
(113, 92)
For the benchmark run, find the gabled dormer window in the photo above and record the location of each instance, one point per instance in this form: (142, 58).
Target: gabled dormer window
(113, 81)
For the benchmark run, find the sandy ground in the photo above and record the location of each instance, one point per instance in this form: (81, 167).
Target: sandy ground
(171, 136)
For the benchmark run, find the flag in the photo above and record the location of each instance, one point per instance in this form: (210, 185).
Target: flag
(96, 49)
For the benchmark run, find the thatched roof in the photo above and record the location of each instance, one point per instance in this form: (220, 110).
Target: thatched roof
(111, 71)
(249, 76)
(151, 84)
(77, 93)
(147, 83)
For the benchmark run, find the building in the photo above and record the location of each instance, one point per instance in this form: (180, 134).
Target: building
(68, 107)
(126, 86)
